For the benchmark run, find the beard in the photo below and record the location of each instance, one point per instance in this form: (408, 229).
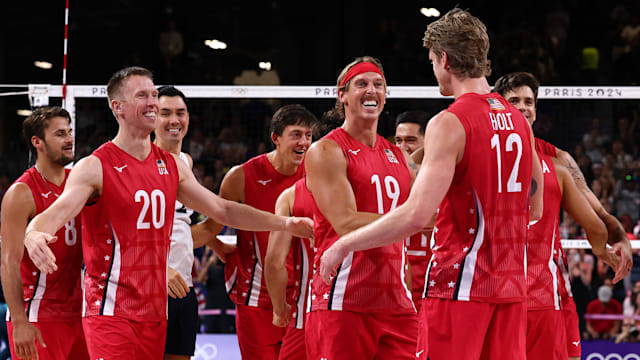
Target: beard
(58, 158)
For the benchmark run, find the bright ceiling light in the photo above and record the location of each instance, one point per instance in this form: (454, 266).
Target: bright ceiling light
(215, 44)
(24, 112)
(43, 64)
(265, 65)
(430, 12)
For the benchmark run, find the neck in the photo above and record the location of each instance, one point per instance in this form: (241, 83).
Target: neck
(138, 147)
(51, 171)
(363, 130)
(280, 164)
(171, 147)
(470, 85)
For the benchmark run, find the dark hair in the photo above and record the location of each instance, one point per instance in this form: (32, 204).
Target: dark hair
(115, 83)
(171, 91)
(415, 117)
(328, 121)
(294, 114)
(464, 38)
(515, 80)
(38, 121)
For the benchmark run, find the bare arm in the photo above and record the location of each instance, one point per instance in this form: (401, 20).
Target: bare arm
(275, 270)
(236, 215)
(85, 181)
(444, 146)
(327, 180)
(17, 207)
(537, 183)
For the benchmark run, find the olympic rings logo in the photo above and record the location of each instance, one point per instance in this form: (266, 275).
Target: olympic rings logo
(208, 352)
(240, 90)
(613, 356)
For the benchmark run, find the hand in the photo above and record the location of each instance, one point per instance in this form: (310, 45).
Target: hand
(222, 250)
(281, 319)
(37, 245)
(622, 249)
(176, 286)
(300, 227)
(329, 263)
(25, 335)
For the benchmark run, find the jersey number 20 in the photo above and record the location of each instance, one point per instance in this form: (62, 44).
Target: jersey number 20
(157, 202)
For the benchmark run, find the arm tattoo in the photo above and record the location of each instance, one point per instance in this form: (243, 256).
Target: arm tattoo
(576, 174)
(414, 167)
(534, 187)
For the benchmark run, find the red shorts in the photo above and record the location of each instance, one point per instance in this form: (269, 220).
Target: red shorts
(474, 330)
(293, 346)
(348, 335)
(64, 340)
(258, 338)
(572, 327)
(546, 337)
(115, 338)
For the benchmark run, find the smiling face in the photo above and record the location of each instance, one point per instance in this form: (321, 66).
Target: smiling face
(365, 96)
(137, 103)
(292, 145)
(408, 137)
(173, 119)
(57, 145)
(524, 100)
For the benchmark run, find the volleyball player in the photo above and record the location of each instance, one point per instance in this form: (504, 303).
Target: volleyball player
(129, 187)
(552, 323)
(43, 308)
(477, 172)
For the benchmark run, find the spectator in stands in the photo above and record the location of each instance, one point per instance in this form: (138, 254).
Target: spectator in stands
(627, 199)
(604, 304)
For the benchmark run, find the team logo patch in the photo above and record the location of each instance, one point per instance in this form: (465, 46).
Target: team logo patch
(391, 157)
(495, 104)
(162, 168)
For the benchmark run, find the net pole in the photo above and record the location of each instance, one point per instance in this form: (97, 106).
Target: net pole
(64, 62)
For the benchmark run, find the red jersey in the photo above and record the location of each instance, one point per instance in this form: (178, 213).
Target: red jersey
(418, 253)
(480, 231)
(302, 254)
(126, 232)
(372, 280)
(543, 242)
(243, 272)
(57, 296)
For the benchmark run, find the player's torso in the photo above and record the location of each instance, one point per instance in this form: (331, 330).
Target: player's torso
(244, 274)
(371, 280)
(127, 234)
(543, 244)
(181, 250)
(481, 224)
(55, 296)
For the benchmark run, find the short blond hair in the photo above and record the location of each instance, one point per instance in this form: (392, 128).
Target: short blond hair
(464, 38)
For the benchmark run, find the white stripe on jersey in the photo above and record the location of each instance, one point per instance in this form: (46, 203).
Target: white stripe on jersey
(554, 270)
(114, 277)
(469, 269)
(256, 284)
(341, 283)
(84, 291)
(417, 252)
(37, 297)
(232, 279)
(565, 275)
(403, 276)
(300, 313)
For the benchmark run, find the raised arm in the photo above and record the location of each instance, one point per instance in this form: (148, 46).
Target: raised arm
(275, 270)
(444, 147)
(17, 208)
(327, 179)
(84, 182)
(239, 216)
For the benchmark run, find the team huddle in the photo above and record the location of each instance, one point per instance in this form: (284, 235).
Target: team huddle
(445, 245)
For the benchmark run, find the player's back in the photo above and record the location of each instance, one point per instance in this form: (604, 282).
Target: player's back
(56, 296)
(244, 269)
(372, 280)
(126, 233)
(543, 242)
(481, 224)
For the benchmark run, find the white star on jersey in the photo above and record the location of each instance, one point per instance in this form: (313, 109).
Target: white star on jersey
(456, 265)
(107, 257)
(103, 274)
(432, 283)
(97, 302)
(465, 249)
(325, 296)
(451, 284)
(472, 231)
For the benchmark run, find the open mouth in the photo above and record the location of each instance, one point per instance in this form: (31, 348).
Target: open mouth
(149, 114)
(370, 103)
(174, 130)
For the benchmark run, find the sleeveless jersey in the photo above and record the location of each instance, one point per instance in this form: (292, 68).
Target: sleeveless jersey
(243, 272)
(57, 296)
(564, 283)
(418, 254)
(302, 256)
(543, 242)
(181, 250)
(480, 231)
(126, 235)
(372, 280)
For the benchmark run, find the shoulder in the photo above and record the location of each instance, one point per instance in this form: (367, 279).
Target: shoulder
(325, 153)
(232, 186)
(189, 159)
(18, 195)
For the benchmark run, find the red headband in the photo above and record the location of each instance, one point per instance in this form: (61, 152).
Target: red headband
(358, 69)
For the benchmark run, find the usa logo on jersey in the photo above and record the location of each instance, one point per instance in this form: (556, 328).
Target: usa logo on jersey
(495, 104)
(392, 158)
(162, 168)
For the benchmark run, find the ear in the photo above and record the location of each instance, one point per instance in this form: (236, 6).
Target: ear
(445, 60)
(275, 139)
(342, 96)
(36, 141)
(116, 106)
